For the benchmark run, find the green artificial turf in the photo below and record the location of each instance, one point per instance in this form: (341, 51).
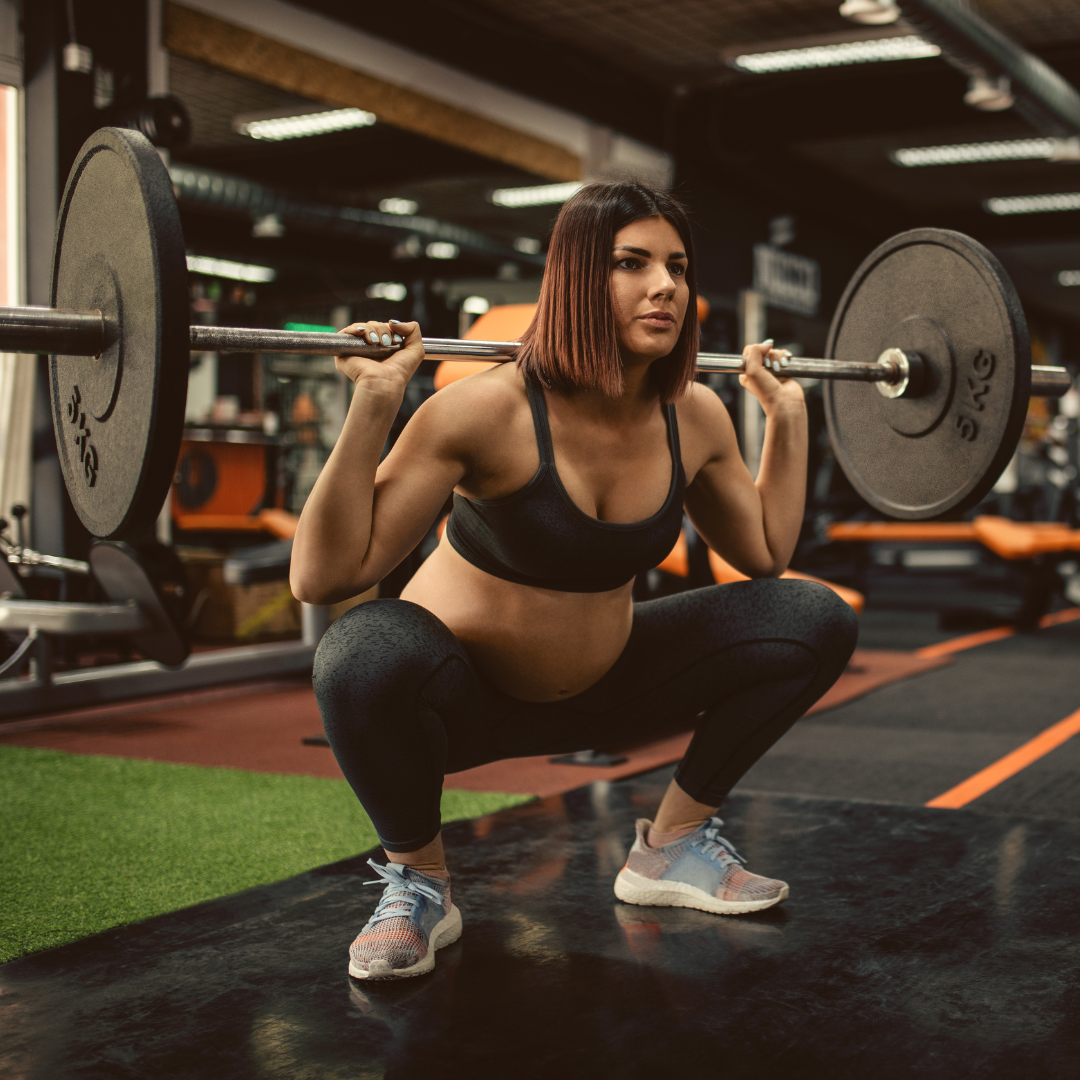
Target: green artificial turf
(90, 842)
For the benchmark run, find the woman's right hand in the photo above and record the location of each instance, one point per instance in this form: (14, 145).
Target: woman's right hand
(392, 374)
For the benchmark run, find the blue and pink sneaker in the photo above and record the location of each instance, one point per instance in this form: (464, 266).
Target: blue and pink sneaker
(700, 870)
(413, 919)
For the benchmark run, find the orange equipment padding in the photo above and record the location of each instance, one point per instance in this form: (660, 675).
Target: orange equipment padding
(218, 523)
(702, 308)
(504, 322)
(725, 573)
(219, 478)
(902, 530)
(279, 523)
(678, 559)
(1025, 539)
(1009, 539)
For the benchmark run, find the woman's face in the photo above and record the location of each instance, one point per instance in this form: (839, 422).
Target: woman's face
(649, 292)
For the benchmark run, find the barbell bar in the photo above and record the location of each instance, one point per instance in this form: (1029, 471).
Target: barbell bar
(88, 334)
(926, 381)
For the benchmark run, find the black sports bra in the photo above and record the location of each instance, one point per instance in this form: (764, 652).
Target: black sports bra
(538, 536)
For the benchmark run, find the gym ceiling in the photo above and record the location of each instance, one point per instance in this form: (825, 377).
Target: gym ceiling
(817, 141)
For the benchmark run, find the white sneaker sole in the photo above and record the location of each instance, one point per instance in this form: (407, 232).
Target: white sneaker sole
(634, 889)
(446, 932)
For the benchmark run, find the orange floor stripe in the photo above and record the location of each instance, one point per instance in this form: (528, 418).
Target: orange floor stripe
(1010, 764)
(968, 641)
(1059, 617)
(996, 633)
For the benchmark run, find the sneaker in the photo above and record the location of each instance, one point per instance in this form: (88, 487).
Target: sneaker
(701, 870)
(413, 919)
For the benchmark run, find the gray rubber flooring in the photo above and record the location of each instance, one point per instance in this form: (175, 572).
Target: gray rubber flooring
(915, 739)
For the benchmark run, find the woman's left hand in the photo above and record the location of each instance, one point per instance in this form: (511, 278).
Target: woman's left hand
(764, 377)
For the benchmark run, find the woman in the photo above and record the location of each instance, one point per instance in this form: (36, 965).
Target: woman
(570, 471)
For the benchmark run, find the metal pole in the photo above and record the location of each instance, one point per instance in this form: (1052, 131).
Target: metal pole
(752, 330)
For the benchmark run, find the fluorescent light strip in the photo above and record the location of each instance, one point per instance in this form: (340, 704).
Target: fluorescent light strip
(910, 47)
(1033, 204)
(387, 290)
(226, 268)
(542, 195)
(298, 127)
(398, 206)
(970, 153)
(1069, 277)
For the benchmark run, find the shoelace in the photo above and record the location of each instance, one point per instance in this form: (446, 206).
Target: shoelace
(712, 844)
(402, 898)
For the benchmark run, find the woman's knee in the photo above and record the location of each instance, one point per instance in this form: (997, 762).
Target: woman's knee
(380, 649)
(808, 612)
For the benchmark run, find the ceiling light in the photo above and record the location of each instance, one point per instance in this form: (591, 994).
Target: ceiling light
(398, 206)
(973, 153)
(474, 305)
(870, 12)
(1033, 204)
(541, 195)
(910, 47)
(527, 245)
(297, 127)
(989, 95)
(226, 268)
(1069, 277)
(387, 290)
(268, 225)
(442, 250)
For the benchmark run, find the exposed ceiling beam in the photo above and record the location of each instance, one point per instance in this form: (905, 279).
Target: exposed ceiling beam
(211, 40)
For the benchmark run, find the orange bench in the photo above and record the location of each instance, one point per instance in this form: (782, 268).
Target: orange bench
(1012, 540)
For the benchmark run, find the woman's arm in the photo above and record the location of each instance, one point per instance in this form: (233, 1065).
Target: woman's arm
(754, 525)
(362, 518)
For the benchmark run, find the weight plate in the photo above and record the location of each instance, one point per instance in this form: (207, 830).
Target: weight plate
(943, 295)
(148, 577)
(119, 417)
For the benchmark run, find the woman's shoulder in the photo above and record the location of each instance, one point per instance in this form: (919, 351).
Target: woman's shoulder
(699, 404)
(705, 427)
(479, 404)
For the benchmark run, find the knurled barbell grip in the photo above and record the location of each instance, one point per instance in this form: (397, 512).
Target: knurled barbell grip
(239, 339)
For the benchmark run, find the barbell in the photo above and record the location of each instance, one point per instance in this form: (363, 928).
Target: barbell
(927, 377)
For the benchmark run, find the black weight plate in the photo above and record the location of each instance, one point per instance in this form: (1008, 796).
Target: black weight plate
(941, 294)
(125, 573)
(119, 417)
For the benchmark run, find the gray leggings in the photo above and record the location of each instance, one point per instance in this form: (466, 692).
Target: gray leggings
(403, 704)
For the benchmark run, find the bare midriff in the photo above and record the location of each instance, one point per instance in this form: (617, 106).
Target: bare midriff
(534, 644)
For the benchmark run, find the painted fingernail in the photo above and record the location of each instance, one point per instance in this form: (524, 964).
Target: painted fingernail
(784, 360)
(767, 343)
(373, 337)
(386, 339)
(398, 339)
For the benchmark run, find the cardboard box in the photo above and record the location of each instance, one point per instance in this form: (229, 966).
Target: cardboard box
(266, 611)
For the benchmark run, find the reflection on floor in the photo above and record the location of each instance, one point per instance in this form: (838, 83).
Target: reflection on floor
(919, 942)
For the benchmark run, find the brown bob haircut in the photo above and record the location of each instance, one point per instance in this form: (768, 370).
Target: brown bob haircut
(572, 342)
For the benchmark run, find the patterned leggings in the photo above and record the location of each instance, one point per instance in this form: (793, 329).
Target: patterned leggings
(402, 702)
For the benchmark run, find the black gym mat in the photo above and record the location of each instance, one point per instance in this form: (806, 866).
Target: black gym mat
(910, 741)
(921, 942)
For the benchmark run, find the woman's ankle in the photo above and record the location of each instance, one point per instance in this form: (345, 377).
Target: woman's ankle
(656, 838)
